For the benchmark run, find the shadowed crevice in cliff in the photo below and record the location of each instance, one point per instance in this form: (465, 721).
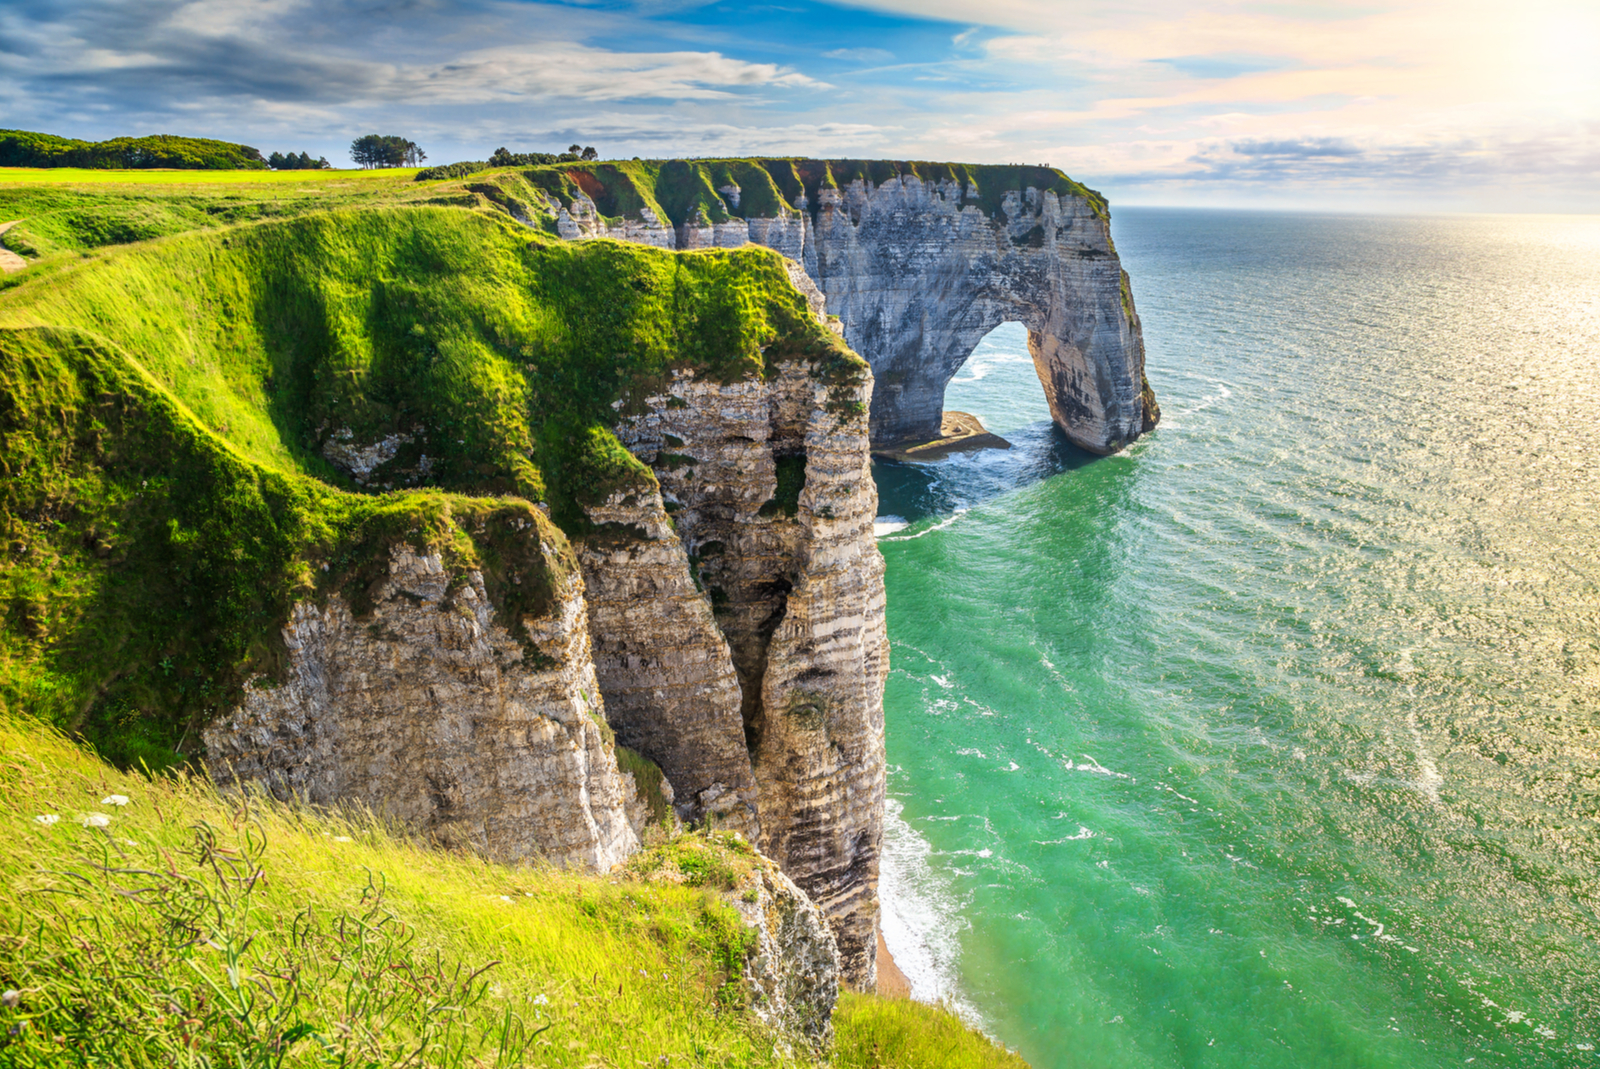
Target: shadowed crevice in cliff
(750, 658)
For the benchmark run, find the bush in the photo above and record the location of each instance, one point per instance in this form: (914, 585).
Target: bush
(450, 170)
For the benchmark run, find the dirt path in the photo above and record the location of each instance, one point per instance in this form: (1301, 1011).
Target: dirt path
(10, 262)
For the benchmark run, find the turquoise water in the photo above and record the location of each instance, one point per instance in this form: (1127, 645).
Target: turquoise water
(1274, 741)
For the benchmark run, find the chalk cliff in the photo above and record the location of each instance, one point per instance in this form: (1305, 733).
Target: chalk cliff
(919, 262)
(427, 710)
(761, 699)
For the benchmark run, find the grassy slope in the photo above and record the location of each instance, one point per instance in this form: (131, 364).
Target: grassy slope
(164, 405)
(356, 942)
(677, 189)
(77, 176)
(64, 210)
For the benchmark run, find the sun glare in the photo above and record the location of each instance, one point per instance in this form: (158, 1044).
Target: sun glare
(1562, 53)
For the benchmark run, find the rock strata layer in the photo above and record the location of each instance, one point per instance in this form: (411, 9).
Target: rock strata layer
(742, 645)
(427, 711)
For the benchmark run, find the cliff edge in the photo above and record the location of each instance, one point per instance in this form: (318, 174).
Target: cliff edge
(917, 260)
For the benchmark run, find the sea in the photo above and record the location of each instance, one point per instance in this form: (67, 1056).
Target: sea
(1275, 739)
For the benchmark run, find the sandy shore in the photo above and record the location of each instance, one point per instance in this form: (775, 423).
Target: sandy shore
(891, 981)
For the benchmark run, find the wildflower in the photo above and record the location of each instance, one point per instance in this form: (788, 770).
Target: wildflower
(47, 819)
(95, 820)
(542, 1000)
(12, 999)
(114, 799)
(343, 839)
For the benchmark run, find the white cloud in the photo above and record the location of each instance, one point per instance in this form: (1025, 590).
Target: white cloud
(860, 55)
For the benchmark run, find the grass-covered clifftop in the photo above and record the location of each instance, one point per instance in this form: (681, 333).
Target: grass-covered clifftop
(74, 211)
(714, 191)
(165, 406)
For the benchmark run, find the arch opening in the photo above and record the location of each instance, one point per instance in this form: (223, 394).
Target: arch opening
(998, 383)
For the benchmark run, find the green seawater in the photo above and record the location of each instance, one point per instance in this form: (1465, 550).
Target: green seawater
(1275, 740)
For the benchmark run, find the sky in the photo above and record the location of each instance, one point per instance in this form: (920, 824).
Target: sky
(1454, 105)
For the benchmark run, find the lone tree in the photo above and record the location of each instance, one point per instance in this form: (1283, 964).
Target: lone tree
(386, 150)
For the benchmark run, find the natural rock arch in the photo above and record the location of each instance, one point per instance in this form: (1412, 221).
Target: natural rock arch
(917, 280)
(919, 263)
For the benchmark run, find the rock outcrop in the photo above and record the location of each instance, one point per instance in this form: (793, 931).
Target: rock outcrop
(918, 277)
(918, 269)
(428, 711)
(792, 971)
(762, 697)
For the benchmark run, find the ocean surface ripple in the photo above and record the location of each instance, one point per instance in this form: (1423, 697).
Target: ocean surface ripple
(1274, 741)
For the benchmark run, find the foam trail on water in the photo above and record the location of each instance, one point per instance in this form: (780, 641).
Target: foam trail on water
(920, 916)
(941, 525)
(888, 525)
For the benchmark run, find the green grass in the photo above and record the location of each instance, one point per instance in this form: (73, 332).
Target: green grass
(200, 929)
(880, 1033)
(84, 176)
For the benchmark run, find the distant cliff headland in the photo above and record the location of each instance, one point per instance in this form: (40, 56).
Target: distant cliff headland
(411, 495)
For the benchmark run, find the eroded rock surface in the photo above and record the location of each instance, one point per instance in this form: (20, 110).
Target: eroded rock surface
(918, 277)
(792, 972)
(427, 711)
(761, 693)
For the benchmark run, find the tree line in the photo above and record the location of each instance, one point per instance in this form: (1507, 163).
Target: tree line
(279, 162)
(25, 148)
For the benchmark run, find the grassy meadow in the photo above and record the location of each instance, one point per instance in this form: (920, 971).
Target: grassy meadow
(87, 176)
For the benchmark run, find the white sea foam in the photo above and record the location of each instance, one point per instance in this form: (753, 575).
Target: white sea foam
(1220, 393)
(941, 525)
(888, 525)
(1095, 766)
(1083, 833)
(1428, 779)
(921, 916)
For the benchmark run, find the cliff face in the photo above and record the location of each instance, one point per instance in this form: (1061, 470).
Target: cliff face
(428, 710)
(760, 698)
(919, 267)
(728, 625)
(918, 278)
